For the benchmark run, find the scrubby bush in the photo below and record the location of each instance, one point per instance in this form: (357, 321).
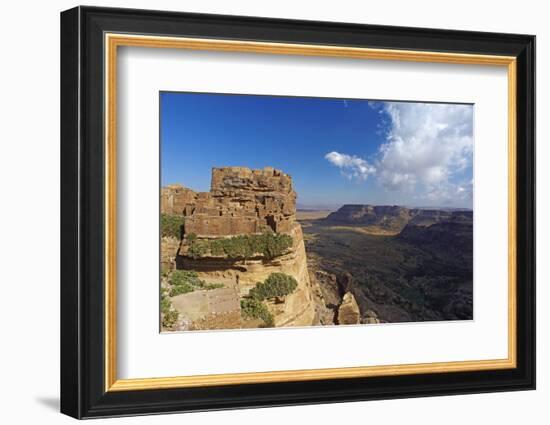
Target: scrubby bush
(274, 245)
(198, 249)
(171, 225)
(181, 277)
(165, 303)
(254, 309)
(276, 285)
(270, 245)
(169, 317)
(184, 288)
(216, 247)
(185, 281)
(164, 270)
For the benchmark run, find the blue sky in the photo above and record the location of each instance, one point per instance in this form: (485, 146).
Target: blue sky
(336, 150)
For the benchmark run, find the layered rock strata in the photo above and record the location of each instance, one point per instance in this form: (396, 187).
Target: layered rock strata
(241, 202)
(348, 311)
(394, 217)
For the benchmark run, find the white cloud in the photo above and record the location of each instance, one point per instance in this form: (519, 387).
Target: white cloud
(426, 148)
(449, 193)
(426, 145)
(351, 166)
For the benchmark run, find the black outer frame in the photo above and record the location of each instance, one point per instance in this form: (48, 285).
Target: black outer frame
(82, 212)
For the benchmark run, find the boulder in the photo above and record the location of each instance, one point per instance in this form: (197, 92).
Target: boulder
(348, 312)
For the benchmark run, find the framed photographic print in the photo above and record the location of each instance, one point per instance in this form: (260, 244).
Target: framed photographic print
(261, 212)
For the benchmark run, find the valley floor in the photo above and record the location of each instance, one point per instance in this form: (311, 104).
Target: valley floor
(393, 279)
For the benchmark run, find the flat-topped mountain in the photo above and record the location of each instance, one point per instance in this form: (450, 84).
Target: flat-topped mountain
(393, 217)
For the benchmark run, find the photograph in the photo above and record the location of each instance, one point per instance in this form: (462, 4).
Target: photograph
(278, 209)
(289, 211)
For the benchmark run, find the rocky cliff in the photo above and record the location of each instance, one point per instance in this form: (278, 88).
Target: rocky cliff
(393, 217)
(255, 208)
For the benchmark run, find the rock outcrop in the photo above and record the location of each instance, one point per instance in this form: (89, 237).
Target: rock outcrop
(242, 202)
(348, 312)
(169, 247)
(174, 198)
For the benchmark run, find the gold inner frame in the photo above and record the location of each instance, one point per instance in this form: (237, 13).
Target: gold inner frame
(113, 41)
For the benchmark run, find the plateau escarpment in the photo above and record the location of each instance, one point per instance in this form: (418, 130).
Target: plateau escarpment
(238, 238)
(394, 217)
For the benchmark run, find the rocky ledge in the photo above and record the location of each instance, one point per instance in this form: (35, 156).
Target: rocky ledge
(237, 235)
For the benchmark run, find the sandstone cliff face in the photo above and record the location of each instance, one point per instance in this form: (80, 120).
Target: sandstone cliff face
(169, 248)
(348, 312)
(296, 309)
(241, 202)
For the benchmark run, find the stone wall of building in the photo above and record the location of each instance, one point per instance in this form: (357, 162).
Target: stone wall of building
(174, 198)
(240, 201)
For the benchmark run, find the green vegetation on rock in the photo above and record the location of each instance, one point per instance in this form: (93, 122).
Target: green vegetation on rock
(198, 249)
(185, 281)
(169, 316)
(164, 270)
(171, 225)
(255, 309)
(276, 285)
(270, 245)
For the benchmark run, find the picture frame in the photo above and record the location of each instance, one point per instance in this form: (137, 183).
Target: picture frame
(90, 40)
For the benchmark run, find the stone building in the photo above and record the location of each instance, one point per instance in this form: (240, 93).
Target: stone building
(240, 201)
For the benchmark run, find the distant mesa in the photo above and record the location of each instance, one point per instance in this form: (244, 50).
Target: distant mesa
(393, 217)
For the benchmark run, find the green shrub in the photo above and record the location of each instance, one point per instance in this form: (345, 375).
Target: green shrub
(181, 289)
(276, 285)
(182, 277)
(276, 245)
(165, 303)
(185, 281)
(171, 225)
(238, 246)
(254, 309)
(198, 249)
(164, 270)
(270, 245)
(169, 316)
(216, 247)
